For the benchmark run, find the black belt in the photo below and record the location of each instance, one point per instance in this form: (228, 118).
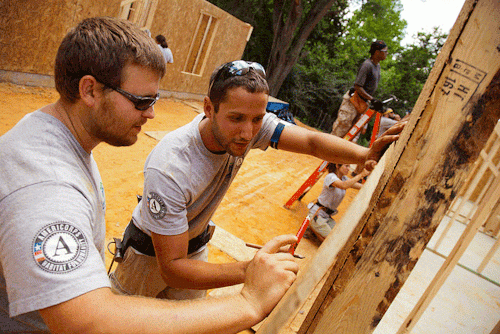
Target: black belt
(327, 210)
(143, 243)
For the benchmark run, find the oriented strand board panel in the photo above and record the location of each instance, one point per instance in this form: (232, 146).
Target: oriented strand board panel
(31, 31)
(177, 21)
(371, 252)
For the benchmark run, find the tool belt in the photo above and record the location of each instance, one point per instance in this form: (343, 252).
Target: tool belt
(359, 103)
(327, 210)
(143, 243)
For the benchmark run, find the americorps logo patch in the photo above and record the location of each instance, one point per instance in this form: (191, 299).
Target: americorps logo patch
(157, 207)
(60, 247)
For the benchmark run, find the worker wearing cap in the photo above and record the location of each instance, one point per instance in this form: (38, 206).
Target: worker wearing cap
(356, 100)
(388, 119)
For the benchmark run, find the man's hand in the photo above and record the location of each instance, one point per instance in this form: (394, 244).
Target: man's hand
(382, 143)
(269, 275)
(365, 173)
(376, 105)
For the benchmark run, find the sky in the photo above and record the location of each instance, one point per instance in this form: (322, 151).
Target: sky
(426, 14)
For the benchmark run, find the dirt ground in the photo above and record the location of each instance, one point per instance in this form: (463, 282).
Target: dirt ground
(252, 209)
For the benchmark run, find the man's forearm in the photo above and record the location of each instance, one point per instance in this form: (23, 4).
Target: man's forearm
(337, 150)
(321, 145)
(268, 276)
(230, 314)
(105, 312)
(200, 275)
(363, 93)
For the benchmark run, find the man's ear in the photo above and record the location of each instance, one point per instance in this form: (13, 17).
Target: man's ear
(208, 107)
(88, 89)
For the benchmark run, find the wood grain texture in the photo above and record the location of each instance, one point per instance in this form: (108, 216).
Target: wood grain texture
(456, 122)
(378, 242)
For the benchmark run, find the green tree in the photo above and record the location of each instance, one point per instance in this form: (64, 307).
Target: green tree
(405, 76)
(290, 23)
(377, 19)
(293, 22)
(331, 59)
(326, 65)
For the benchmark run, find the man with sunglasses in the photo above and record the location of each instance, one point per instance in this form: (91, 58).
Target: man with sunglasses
(52, 204)
(188, 173)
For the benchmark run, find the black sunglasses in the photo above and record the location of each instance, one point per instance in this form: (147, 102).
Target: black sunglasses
(237, 68)
(140, 102)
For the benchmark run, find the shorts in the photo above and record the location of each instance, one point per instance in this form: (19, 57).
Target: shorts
(346, 117)
(139, 274)
(321, 225)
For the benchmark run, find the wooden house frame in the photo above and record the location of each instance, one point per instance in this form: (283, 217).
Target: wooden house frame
(360, 268)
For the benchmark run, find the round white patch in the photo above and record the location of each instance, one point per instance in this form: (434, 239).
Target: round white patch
(60, 247)
(157, 207)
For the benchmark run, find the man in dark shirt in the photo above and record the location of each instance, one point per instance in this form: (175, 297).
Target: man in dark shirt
(364, 87)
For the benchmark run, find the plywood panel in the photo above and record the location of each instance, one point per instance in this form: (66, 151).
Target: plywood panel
(31, 34)
(31, 31)
(177, 21)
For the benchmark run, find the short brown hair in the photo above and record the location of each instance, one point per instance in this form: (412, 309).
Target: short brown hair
(102, 47)
(252, 82)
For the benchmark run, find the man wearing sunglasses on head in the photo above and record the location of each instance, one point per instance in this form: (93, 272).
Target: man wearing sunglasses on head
(52, 204)
(188, 173)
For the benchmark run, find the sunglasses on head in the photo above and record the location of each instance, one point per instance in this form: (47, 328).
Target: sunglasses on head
(237, 68)
(242, 67)
(140, 102)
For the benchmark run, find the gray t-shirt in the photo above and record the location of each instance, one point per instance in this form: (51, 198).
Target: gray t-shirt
(184, 182)
(331, 196)
(52, 227)
(368, 76)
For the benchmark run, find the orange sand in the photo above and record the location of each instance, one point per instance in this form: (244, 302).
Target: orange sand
(253, 208)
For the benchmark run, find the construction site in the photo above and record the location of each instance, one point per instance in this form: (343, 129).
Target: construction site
(415, 250)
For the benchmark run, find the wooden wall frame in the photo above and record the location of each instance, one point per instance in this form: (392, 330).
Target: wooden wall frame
(369, 255)
(140, 12)
(489, 198)
(201, 44)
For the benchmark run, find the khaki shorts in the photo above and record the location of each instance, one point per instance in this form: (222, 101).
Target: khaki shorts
(321, 225)
(345, 118)
(139, 274)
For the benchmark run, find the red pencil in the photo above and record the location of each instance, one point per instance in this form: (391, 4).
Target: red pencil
(300, 234)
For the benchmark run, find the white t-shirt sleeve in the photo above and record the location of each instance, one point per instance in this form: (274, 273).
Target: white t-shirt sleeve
(329, 179)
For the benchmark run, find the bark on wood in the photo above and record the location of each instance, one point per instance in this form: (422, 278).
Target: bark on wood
(453, 118)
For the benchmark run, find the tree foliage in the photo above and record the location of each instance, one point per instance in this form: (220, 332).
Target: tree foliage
(330, 63)
(377, 19)
(289, 23)
(295, 19)
(312, 51)
(405, 75)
